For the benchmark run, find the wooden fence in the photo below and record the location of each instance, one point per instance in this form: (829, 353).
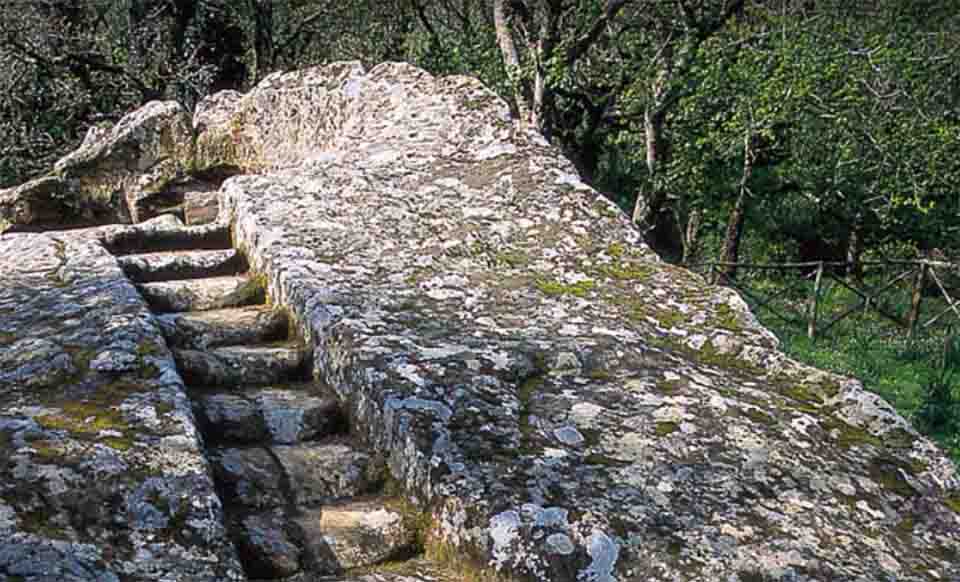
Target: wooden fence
(918, 274)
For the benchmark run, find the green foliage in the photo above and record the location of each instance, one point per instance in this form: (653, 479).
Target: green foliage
(65, 66)
(853, 116)
(940, 412)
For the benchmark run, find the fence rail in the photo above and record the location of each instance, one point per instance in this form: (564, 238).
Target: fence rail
(920, 273)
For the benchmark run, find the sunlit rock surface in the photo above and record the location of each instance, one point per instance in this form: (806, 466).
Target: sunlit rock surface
(565, 405)
(570, 407)
(101, 471)
(102, 180)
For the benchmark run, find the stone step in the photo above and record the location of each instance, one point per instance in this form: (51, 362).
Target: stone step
(290, 414)
(202, 294)
(355, 533)
(201, 207)
(321, 541)
(415, 569)
(201, 330)
(192, 208)
(164, 266)
(166, 233)
(412, 570)
(268, 546)
(265, 477)
(242, 365)
(143, 206)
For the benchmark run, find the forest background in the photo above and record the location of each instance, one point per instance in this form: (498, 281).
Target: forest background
(735, 131)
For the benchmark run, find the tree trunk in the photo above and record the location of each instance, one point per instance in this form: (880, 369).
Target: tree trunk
(731, 242)
(650, 201)
(511, 60)
(691, 237)
(855, 249)
(135, 18)
(263, 37)
(542, 107)
(183, 14)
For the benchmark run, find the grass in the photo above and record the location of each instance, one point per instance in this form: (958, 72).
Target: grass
(919, 376)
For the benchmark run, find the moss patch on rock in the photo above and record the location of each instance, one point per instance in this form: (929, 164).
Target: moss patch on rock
(849, 436)
(556, 288)
(83, 418)
(626, 271)
(666, 428)
(726, 318)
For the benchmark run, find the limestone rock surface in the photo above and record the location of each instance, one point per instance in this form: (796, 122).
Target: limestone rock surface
(101, 180)
(567, 406)
(563, 405)
(102, 476)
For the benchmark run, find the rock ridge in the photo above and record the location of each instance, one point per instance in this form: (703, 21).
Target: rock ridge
(561, 404)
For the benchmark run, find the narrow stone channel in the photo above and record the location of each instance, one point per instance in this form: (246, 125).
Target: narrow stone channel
(300, 499)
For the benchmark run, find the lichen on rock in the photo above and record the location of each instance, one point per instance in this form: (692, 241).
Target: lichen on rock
(559, 403)
(499, 331)
(101, 471)
(101, 181)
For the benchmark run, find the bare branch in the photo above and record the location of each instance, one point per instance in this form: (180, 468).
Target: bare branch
(295, 35)
(90, 61)
(583, 44)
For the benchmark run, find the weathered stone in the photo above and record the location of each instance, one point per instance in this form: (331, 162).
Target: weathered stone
(150, 267)
(298, 413)
(286, 416)
(326, 471)
(102, 476)
(413, 570)
(225, 139)
(201, 207)
(141, 154)
(265, 548)
(45, 202)
(573, 408)
(229, 418)
(146, 205)
(303, 474)
(201, 294)
(249, 477)
(567, 406)
(193, 200)
(357, 532)
(163, 233)
(207, 329)
(241, 365)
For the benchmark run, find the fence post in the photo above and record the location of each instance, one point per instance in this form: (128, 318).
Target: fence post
(915, 299)
(812, 306)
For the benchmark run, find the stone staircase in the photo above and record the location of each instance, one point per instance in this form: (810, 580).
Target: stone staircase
(301, 501)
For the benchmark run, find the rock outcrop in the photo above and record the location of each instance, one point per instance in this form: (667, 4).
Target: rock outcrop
(110, 172)
(102, 473)
(557, 402)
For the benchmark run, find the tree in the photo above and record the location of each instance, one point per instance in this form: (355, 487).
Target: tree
(675, 45)
(74, 64)
(879, 94)
(560, 60)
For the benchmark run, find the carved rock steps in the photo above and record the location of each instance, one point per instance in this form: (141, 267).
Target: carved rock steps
(201, 330)
(284, 415)
(242, 365)
(193, 201)
(201, 294)
(300, 499)
(164, 266)
(166, 233)
(305, 474)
